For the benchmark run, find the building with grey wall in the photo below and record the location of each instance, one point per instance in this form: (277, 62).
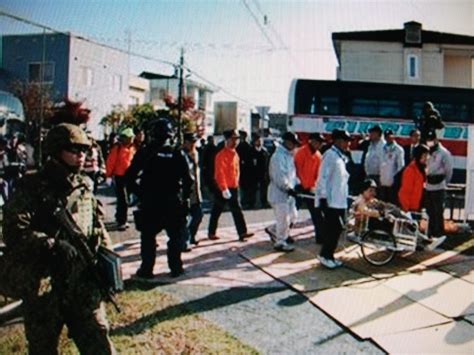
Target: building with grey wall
(72, 67)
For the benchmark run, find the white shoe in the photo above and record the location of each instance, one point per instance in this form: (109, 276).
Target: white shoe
(283, 246)
(327, 263)
(436, 243)
(338, 263)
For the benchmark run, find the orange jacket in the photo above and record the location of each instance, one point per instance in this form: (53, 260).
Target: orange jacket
(119, 159)
(227, 169)
(307, 166)
(411, 189)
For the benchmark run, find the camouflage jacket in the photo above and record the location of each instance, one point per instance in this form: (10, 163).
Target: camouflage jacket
(28, 216)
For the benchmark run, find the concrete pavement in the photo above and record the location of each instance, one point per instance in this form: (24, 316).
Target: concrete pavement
(281, 303)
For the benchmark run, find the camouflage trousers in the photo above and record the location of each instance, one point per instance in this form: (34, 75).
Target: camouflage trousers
(46, 315)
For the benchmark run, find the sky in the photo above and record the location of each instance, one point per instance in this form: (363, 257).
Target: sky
(250, 50)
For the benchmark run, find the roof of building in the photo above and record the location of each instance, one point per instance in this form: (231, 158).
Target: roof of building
(399, 36)
(151, 76)
(157, 76)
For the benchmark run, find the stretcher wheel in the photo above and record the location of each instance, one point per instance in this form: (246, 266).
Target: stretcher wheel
(378, 247)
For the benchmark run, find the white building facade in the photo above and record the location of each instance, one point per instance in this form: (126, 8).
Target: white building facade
(408, 56)
(162, 85)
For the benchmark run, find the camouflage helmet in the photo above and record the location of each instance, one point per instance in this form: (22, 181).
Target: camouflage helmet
(65, 135)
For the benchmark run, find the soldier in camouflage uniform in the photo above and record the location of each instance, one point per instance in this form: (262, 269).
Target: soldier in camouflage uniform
(59, 291)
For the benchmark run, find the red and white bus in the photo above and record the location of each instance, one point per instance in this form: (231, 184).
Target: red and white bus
(321, 106)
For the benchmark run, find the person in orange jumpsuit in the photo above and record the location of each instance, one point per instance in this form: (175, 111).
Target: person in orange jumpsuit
(226, 175)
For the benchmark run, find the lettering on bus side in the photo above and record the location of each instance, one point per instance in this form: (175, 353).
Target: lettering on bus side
(332, 125)
(399, 129)
(452, 132)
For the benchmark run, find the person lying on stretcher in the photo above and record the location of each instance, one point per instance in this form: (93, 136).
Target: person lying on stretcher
(381, 215)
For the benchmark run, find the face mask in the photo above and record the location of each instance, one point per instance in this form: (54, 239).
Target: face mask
(430, 144)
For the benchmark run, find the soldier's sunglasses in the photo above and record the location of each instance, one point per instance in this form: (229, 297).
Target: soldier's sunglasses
(76, 149)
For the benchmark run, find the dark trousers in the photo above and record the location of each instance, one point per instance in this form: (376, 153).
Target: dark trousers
(316, 217)
(434, 204)
(122, 199)
(387, 194)
(176, 240)
(235, 209)
(195, 219)
(334, 220)
(251, 192)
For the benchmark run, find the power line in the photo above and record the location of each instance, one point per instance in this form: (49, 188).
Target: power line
(269, 24)
(276, 34)
(217, 86)
(142, 56)
(262, 29)
(48, 28)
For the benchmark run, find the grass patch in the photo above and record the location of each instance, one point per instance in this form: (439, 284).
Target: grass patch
(150, 322)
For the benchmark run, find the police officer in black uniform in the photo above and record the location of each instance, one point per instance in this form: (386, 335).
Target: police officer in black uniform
(160, 177)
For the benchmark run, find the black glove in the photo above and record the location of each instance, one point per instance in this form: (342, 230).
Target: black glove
(291, 192)
(64, 252)
(299, 188)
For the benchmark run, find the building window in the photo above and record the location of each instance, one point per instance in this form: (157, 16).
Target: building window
(116, 83)
(87, 76)
(202, 100)
(35, 72)
(412, 66)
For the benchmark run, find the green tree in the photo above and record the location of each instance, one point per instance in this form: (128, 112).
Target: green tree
(142, 114)
(117, 119)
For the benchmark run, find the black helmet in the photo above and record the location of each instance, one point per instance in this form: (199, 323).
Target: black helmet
(160, 129)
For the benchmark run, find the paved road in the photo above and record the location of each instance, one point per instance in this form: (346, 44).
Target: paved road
(249, 304)
(288, 303)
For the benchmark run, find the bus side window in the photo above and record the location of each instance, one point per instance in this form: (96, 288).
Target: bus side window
(329, 105)
(453, 112)
(449, 112)
(390, 108)
(416, 108)
(364, 107)
(313, 106)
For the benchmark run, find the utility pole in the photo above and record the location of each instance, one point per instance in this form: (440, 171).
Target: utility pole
(180, 96)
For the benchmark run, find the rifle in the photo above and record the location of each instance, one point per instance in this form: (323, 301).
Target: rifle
(78, 240)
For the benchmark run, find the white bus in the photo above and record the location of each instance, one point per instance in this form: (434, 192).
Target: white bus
(323, 105)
